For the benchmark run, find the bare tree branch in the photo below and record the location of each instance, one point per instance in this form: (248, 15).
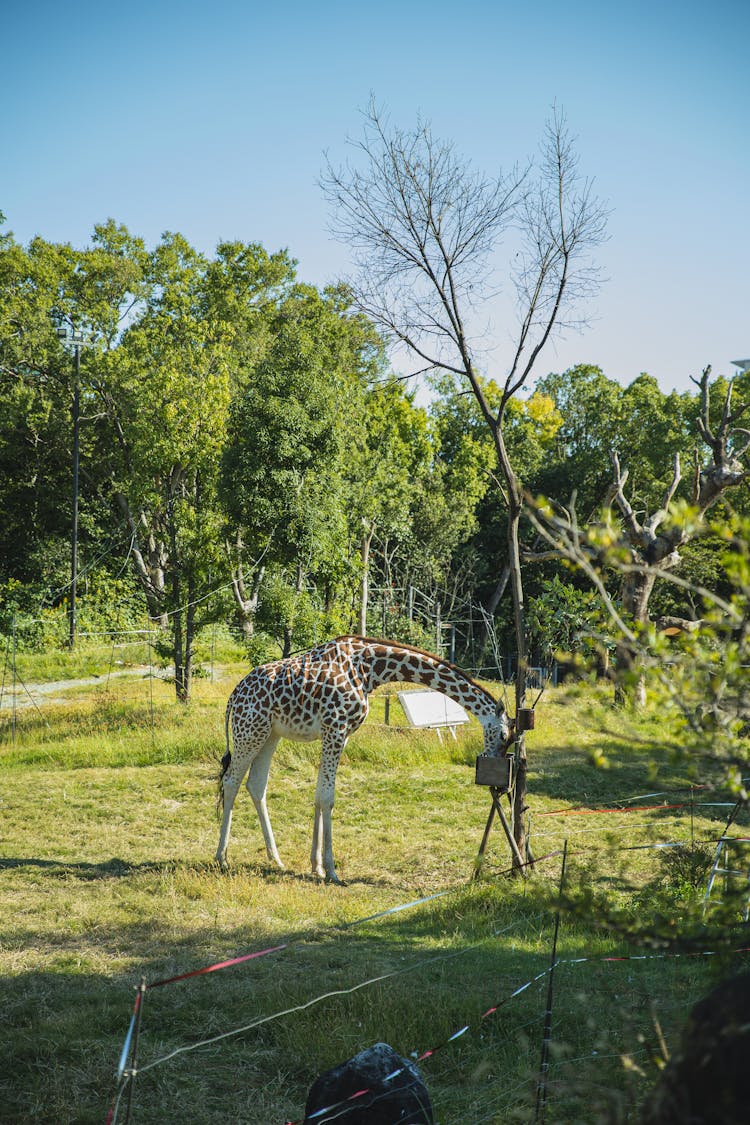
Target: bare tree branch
(423, 227)
(620, 479)
(660, 514)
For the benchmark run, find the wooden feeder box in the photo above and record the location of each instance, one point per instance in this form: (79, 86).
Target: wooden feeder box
(525, 719)
(494, 771)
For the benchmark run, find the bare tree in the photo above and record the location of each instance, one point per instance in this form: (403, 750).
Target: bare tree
(424, 227)
(704, 675)
(652, 543)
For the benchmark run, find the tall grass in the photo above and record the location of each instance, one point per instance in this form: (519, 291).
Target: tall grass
(108, 835)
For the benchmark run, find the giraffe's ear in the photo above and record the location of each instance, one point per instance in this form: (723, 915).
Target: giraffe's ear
(499, 708)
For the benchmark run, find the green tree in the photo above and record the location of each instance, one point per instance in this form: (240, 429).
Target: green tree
(165, 393)
(42, 287)
(384, 478)
(589, 405)
(291, 428)
(651, 541)
(466, 447)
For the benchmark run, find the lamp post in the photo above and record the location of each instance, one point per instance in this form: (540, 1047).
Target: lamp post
(70, 336)
(76, 449)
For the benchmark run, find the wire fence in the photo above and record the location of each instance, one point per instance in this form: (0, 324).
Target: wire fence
(626, 1038)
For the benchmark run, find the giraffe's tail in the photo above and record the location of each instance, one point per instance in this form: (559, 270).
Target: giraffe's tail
(226, 761)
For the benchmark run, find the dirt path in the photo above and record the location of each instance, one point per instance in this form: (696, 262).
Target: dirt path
(31, 695)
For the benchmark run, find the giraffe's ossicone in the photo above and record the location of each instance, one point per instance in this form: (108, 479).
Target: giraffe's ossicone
(323, 693)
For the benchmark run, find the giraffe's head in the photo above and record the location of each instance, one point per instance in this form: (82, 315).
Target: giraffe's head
(498, 730)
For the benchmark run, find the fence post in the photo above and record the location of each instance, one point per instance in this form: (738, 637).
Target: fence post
(541, 1090)
(13, 720)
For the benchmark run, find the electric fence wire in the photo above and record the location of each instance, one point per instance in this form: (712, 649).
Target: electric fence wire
(128, 1075)
(405, 970)
(35, 620)
(632, 848)
(502, 1103)
(167, 613)
(518, 991)
(17, 680)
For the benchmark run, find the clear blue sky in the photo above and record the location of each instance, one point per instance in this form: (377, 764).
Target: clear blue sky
(212, 119)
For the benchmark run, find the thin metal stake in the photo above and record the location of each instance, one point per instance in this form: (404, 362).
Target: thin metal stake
(541, 1090)
(13, 723)
(134, 1059)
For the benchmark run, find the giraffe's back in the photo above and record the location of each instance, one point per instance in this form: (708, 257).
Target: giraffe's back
(298, 697)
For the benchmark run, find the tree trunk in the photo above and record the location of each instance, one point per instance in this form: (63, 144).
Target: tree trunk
(365, 588)
(187, 674)
(288, 634)
(178, 657)
(245, 600)
(515, 505)
(519, 618)
(492, 603)
(182, 627)
(149, 560)
(636, 591)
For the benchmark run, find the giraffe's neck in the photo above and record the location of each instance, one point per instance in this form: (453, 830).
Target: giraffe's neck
(381, 662)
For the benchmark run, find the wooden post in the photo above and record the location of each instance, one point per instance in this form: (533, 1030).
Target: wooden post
(497, 808)
(480, 854)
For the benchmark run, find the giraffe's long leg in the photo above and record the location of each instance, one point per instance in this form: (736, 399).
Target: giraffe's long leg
(334, 741)
(257, 783)
(316, 856)
(231, 788)
(246, 749)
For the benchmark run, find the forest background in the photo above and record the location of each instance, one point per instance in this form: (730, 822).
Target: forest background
(247, 457)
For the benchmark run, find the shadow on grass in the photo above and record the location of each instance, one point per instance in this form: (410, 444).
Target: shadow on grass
(116, 868)
(105, 870)
(629, 771)
(72, 1023)
(430, 971)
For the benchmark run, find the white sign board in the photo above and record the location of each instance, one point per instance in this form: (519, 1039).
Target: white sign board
(432, 709)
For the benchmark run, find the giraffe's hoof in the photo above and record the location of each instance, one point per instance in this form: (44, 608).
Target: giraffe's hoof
(332, 877)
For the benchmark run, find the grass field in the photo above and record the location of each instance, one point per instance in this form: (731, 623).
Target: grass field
(109, 829)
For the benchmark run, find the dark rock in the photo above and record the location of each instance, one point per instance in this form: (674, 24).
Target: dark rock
(401, 1100)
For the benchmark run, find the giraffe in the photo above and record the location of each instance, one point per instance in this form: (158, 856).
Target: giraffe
(323, 694)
